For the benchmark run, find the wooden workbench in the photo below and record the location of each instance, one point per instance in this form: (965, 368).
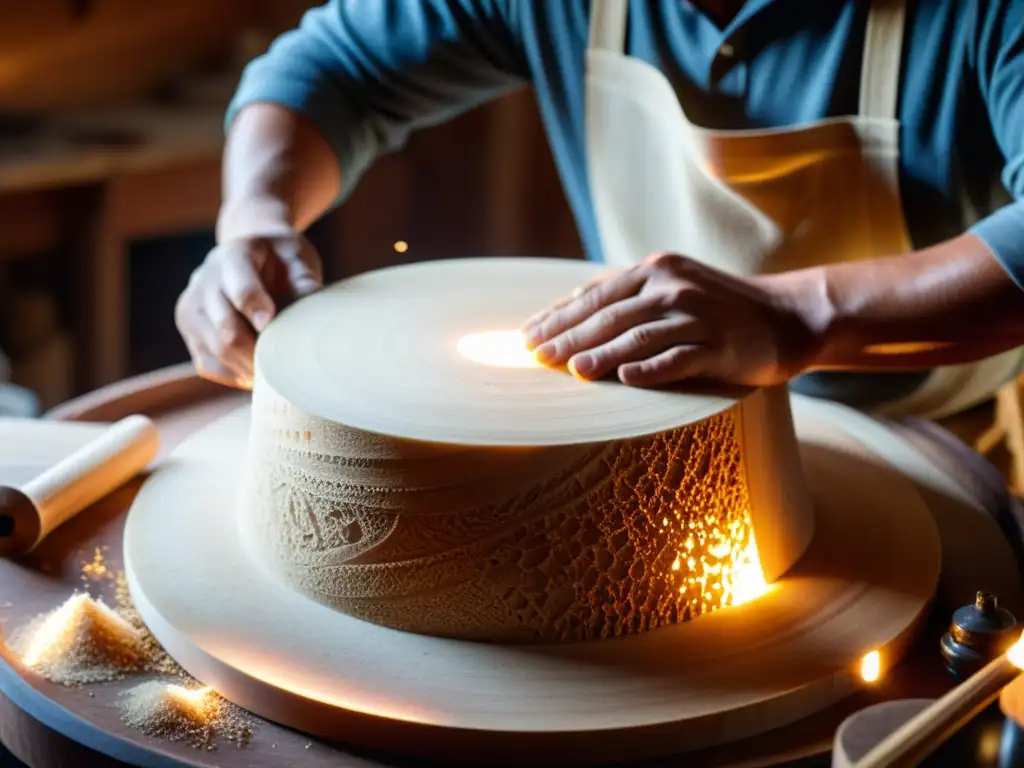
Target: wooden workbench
(45, 725)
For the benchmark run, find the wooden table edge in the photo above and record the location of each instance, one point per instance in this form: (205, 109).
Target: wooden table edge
(160, 390)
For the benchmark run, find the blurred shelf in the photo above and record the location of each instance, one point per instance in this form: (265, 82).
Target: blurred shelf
(82, 185)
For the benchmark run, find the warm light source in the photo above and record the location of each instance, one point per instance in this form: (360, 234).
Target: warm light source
(53, 631)
(917, 738)
(907, 347)
(990, 744)
(1016, 653)
(401, 246)
(501, 349)
(746, 582)
(871, 667)
(193, 702)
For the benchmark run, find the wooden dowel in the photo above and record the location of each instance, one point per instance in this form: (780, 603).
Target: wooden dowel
(29, 513)
(908, 745)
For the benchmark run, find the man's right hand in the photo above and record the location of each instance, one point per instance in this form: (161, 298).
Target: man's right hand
(233, 296)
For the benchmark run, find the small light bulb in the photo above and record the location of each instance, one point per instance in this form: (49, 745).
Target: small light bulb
(871, 667)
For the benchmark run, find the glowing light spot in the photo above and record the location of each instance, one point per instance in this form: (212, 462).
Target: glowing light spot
(54, 631)
(907, 348)
(501, 349)
(1016, 653)
(196, 702)
(720, 566)
(871, 667)
(401, 246)
(989, 744)
(96, 569)
(745, 580)
(82, 629)
(720, 550)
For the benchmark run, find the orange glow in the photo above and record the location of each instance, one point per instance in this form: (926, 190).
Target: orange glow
(871, 667)
(59, 631)
(1016, 653)
(195, 701)
(401, 246)
(358, 699)
(747, 582)
(500, 349)
(725, 571)
(906, 348)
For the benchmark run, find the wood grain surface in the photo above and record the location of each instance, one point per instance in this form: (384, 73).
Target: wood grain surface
(48, 725)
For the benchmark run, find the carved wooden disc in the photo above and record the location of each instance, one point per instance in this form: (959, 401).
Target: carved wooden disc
(863, 584)
(381, 352)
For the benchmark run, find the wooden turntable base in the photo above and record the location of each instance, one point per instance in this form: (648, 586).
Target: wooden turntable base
(43, 724)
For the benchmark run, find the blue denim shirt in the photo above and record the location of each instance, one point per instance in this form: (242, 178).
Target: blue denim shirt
(369, 72)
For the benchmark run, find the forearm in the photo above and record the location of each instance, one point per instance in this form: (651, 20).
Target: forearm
(348, 86)
(953, 303)
(279, 173)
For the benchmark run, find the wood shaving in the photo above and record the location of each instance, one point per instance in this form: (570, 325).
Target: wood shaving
(95, 569)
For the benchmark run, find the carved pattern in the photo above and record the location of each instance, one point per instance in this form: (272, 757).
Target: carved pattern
(551, 545)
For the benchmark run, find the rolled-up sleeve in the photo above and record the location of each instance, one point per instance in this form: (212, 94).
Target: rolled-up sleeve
(368, 72)
(999, 62)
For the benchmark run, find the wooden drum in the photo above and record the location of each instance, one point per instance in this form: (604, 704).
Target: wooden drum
(417, 539)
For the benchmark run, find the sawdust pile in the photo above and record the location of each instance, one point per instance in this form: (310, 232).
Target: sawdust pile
(158, 660)
(80, 642)
(83, 641)
(196, 716)
(149, 708)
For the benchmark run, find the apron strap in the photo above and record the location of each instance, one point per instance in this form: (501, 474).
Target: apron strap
(608, 25)
(883, 54)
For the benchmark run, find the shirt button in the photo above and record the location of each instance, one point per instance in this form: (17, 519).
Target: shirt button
(726, 51)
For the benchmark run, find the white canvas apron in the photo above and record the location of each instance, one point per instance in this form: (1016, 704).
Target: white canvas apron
(758, 201)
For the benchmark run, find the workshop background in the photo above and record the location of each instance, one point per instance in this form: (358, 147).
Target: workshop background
(111, 130)
(111, 117)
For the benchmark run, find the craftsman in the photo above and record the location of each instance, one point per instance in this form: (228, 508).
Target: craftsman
(819, 180)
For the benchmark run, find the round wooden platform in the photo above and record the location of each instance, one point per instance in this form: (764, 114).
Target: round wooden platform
(45, 724)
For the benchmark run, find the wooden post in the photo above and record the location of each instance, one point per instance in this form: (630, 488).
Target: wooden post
(1007, 429)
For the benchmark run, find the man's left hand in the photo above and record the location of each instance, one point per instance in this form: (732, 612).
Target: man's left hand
(671, 318)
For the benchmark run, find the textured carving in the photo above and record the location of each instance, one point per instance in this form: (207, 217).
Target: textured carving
(543, 544)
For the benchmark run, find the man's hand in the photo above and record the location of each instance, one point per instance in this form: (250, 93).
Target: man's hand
(231, 297)
(671, 318)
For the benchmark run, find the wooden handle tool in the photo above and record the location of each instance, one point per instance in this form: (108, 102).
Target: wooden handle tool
(29, 513)
(908, 745)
